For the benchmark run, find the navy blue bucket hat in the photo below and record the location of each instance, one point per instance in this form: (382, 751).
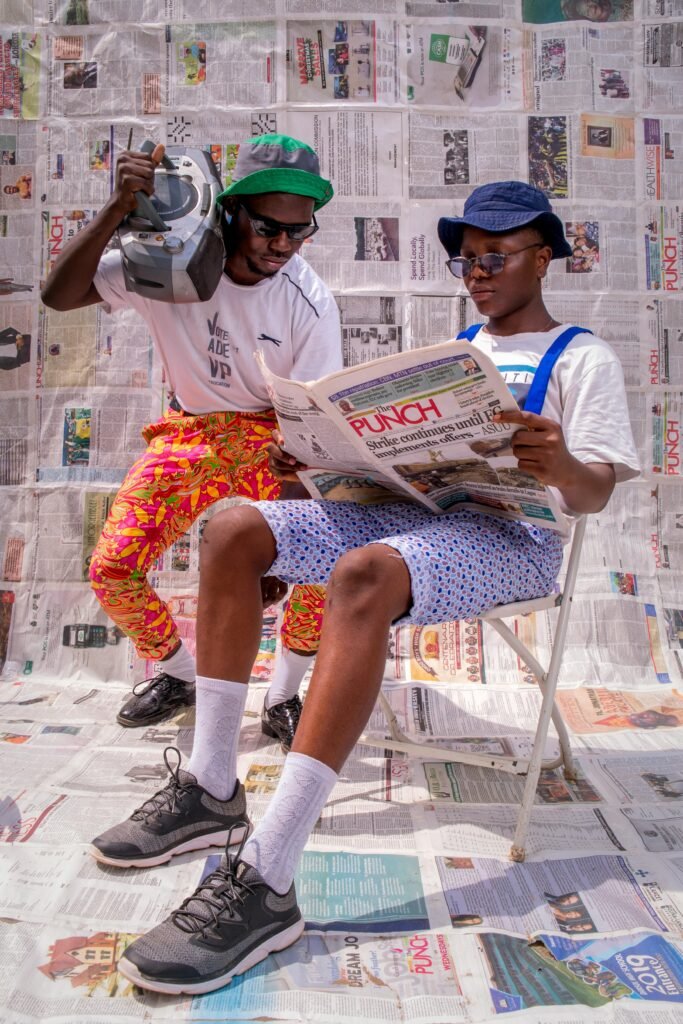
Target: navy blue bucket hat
(505, 206)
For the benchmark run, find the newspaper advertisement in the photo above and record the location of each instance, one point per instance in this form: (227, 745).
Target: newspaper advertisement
(576, 66)
(342, 61)
(457, 65)
(661, 157)
(21, 84)
(360, 151)
(421, 425)
(662, 231)
(662, 59)
(448, 154)
(661, 354)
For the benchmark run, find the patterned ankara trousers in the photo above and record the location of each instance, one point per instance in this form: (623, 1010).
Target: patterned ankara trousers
(190, 463)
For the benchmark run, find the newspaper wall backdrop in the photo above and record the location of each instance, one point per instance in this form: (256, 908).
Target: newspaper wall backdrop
(414, 911)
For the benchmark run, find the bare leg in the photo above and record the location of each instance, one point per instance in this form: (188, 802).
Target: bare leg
(237, 550)
(369, 589)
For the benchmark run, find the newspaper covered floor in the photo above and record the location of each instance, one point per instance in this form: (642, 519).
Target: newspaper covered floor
(414, 911)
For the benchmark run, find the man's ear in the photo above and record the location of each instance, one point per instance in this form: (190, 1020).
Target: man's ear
(543, 259)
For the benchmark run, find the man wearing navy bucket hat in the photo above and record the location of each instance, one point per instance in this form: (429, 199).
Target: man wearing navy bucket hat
(211, 444)
(392, 563)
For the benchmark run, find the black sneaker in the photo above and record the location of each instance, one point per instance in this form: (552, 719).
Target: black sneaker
(232, 921)
(180, 817)
(159, 698)
(281, 721)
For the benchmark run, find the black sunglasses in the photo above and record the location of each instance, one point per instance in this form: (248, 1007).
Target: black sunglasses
(490, 262)
(264, 227)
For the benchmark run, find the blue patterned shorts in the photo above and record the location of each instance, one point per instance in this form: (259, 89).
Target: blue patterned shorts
(460, 563)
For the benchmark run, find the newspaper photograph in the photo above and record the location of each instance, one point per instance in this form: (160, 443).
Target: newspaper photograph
(358, 247)
(420, 424)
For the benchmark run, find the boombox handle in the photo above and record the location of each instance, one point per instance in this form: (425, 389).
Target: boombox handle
(146, 210)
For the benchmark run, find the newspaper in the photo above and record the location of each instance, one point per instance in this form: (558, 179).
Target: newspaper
(661, 167)
(578, 66)
(416, 426)
(661, 59)
(350, 61)
(463, 65)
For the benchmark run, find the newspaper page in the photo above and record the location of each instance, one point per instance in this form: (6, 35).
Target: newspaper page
(342, 61)
(661, 328)
(372, 327)
(216, 66)
(585, 894)
(457, 65)
(358, 246)
(448, 153)
(661, 55)
(21, 58)
(104, 73)
(360, 151)
(435, 405)
(577, 65)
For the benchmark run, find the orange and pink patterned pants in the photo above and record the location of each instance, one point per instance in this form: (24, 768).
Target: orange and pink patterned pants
(190, 463)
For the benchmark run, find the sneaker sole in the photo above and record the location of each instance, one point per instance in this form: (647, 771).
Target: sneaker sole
(198, 843)
(281, 940)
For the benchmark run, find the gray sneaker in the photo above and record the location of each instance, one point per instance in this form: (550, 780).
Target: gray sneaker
(180, 817)
(231, 922)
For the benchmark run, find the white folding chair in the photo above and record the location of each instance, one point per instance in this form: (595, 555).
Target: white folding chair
(547, 681)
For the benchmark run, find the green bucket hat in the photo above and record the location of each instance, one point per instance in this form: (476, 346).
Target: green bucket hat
(278, 163)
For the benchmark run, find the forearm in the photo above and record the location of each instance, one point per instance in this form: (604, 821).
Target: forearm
(70, 283)
(588, 486)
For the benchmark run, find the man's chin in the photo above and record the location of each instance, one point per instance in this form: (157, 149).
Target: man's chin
(265, 271)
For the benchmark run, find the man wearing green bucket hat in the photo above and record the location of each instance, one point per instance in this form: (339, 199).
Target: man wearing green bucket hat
(211, 443)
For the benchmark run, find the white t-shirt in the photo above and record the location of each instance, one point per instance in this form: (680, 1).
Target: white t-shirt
(208, 347)
(585, 395)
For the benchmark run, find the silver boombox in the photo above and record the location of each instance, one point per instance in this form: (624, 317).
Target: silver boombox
(171, 244)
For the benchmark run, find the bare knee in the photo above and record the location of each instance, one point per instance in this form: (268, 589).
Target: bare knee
(237, 538)
(371, 581)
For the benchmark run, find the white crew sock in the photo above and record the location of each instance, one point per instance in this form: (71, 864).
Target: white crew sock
(290, 669)
(213, 762)
(275, 846)
(181, 664)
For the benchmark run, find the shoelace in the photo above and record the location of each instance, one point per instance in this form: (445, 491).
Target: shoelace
(162, 679)
(167, 798)
(217, 895)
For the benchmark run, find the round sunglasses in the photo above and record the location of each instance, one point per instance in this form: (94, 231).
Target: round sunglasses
(490, 262)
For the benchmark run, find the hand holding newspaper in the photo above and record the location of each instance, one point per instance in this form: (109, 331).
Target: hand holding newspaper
(415, 426)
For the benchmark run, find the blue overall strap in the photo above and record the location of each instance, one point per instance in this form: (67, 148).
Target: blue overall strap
(468, 333)
(539, 385)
